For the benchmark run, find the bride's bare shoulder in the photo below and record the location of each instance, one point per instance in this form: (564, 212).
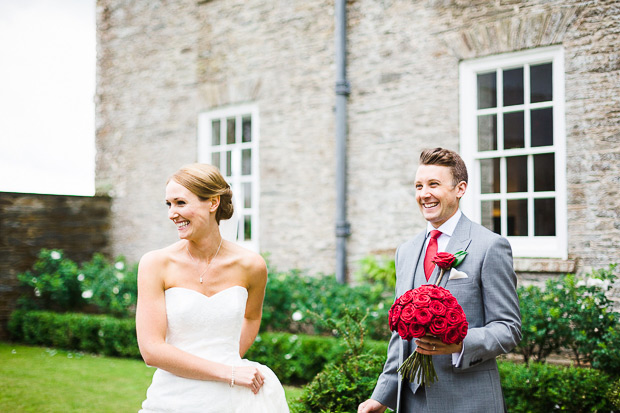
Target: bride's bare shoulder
(161, 257)
(249, 261)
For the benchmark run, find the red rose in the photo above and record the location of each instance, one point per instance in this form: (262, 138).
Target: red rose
(421, 300)
(450, 302)
(406, 297)
(444, 260)
(424, 289)
(437, 308)
(407, 314)
(422, 316)
(439, 325)
(451, 336)
(417, 330)
(394, 316)
(454, 317)
(403, 331)
(463, 329)
(438, 293)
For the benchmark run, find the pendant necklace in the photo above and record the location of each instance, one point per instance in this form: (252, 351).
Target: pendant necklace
(209, 264)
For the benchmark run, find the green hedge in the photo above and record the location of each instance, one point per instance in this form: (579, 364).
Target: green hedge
(99, 334)
(297, 358)
(544, 388)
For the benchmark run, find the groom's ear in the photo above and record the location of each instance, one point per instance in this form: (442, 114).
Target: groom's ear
(461, 187)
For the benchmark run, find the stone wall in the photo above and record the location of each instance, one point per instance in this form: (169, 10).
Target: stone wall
(29, 222)
(160, 64)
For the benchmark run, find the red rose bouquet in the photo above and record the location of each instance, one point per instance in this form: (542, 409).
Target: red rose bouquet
(428, 310)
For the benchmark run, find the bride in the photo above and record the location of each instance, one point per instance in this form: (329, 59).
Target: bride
(200, 306)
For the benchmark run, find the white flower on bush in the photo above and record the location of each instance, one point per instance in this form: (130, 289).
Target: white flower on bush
(126, 296)
(595, 282)
(55, 255)
(581, 283)
(119, 265)
(288, 356)
(37, 292)
(80, 277)
(34, 280)
(293, 338)
(297, 315)
(87, 294)
(115, 290)
(120, 275)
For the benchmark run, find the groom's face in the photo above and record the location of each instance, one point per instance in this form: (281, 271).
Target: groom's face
(436, 194)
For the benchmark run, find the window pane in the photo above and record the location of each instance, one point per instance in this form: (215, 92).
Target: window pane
(513, 87)
(544, 217)
(544, 172)
(491, 215)
(247, 195)
(487, 90)
(215, 132)
(230, 131)
(517, 217)
(541, 84)
(228, 163)
(215, 159)
(516, 171)
(246, 162)
(513, 130)
(487, 133)
(489, 179)
(246, 131)
(542, 127)
(247, 228)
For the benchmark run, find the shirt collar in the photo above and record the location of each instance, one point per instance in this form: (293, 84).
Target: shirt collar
(447, 228)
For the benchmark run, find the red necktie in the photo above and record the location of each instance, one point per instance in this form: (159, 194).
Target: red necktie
(431, 251)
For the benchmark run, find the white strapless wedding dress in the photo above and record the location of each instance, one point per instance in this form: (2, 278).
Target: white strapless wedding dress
(210, 327)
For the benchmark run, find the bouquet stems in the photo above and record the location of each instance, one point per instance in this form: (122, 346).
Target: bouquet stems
(419, 368)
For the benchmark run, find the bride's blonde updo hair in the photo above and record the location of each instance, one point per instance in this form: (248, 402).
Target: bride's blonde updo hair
(205, 181)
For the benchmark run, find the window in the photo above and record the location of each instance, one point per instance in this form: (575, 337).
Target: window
(228, 139)
(513, 142)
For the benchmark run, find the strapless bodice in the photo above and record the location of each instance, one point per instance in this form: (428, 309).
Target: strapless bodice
(209, 327)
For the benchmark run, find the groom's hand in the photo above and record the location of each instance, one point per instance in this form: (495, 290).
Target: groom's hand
(433, 346)
(371, 406)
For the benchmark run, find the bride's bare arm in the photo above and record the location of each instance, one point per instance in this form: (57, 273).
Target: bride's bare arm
(151, 331)
(257, 280)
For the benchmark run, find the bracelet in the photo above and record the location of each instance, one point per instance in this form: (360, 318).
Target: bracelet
(232, 377)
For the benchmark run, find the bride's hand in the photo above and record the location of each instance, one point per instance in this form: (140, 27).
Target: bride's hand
(249, 377)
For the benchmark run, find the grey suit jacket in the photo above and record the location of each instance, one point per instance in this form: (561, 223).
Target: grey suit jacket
(489, 299)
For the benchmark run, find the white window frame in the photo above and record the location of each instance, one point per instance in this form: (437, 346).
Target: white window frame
(234, 228)
(523, 246)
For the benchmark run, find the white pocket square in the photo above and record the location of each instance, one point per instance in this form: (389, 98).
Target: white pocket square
(456, 274)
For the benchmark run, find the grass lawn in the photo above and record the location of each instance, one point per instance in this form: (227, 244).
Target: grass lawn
(42, 380)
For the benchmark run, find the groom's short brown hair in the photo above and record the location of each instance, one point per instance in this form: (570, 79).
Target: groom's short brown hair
(445, 157)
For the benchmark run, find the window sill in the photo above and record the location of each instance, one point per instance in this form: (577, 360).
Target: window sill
(544, 265)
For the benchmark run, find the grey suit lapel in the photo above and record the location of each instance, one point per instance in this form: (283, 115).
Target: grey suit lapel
(412, 261)
(460, 239)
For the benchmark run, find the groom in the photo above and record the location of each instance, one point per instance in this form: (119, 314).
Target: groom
(485, 286)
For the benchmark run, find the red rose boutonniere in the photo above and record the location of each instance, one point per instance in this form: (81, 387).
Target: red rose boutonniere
(446, 261)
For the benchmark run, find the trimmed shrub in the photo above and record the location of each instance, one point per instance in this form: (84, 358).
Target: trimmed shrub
(99, 334)
(544, 388)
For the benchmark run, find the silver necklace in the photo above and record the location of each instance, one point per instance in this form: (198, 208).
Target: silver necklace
(209, 264)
